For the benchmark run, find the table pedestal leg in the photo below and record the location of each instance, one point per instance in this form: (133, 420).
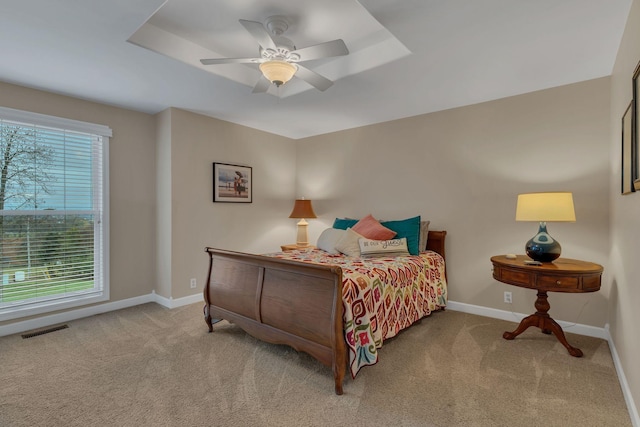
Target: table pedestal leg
(542, 320)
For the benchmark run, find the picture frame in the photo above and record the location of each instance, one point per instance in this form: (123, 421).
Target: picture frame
(627, 144)
(635, 148)
(232, 183)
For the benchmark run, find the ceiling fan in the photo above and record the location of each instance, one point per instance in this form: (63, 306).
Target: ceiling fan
(279, 58)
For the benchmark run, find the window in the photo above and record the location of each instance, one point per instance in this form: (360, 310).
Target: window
(53, 213)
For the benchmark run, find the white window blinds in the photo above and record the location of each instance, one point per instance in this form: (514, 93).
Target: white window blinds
(53, 213)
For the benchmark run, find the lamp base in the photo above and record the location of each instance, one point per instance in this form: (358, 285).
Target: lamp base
(302, 239)
(542, 247)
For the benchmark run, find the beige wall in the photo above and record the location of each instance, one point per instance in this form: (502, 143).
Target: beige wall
(163, 200)
(463, 168)
(624, 297)
(195, 221)
(162, 217)
(132, 182)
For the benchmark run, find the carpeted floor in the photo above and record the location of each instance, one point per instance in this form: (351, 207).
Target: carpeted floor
(150, 366)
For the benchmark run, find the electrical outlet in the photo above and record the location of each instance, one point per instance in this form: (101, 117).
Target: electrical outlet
(193, 283)
(507, 297)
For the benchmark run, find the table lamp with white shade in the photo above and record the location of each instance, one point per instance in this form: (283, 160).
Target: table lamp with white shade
(543, 208)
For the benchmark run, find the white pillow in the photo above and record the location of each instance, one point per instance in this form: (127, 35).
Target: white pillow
(348, 245)
(329, 238)
(375, 248)
(424, 235)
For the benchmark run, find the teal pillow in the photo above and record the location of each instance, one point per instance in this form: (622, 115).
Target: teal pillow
(409, 228)
(344, 223)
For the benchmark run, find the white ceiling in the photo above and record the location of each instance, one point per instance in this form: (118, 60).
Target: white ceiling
(407, 57)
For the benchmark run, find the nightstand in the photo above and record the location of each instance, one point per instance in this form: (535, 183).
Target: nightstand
(562, 275)
(293, 247)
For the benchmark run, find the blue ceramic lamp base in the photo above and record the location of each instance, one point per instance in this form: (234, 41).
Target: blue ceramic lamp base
(543, 247)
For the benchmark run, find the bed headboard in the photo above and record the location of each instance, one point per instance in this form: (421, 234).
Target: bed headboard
(435, 242)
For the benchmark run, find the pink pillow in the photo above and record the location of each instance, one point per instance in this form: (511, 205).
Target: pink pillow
(371, 228)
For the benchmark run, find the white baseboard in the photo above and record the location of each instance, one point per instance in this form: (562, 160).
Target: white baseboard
(590, 331)
(178, 302)
(574, 328)
(626, 391)
(67, 316)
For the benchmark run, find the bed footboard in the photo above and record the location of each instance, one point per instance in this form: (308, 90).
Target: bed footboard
(280, 301)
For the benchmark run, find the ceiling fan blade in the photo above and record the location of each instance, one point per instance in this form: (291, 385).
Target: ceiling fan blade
(214, 61)
(314, 79)
(261, 86)
(323, 50)
(259, 33)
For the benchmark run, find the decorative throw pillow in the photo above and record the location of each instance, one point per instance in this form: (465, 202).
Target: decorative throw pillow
(348, 245)
(344, 223)
(409, 228)
(424, 235)
(376, 248)
(371, 228)
(329, 238)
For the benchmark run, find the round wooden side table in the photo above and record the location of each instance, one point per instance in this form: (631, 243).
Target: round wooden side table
(561, 275)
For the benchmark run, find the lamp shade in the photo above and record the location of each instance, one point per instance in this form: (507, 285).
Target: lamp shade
(278, 72)
(545, 207)
(302, 209)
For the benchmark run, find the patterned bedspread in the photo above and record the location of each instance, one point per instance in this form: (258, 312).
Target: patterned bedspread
(381, 296)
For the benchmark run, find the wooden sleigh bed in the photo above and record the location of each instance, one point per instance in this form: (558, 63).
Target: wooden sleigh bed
(283, 301)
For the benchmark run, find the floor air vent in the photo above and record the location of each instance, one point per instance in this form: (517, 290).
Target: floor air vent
(44, 331)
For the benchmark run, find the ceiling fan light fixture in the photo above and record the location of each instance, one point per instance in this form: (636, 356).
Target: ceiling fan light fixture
(278, 72)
